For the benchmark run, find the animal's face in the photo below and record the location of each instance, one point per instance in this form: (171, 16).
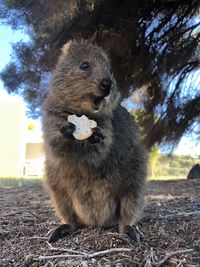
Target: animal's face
(83, 81)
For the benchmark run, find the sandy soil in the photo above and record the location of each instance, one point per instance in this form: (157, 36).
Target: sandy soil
(170, 225)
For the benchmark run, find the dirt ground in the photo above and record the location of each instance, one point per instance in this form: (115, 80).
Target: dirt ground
(170, 227)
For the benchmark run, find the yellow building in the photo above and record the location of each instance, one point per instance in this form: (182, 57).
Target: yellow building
(34, 155)
(21, 151)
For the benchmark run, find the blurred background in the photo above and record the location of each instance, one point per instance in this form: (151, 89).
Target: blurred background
(154, 49)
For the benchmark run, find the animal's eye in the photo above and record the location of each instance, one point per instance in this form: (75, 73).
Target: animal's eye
(84, 66)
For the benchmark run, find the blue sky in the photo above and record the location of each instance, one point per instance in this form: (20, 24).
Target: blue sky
(8, 36)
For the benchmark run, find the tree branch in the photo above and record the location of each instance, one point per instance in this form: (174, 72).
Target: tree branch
(87, 255)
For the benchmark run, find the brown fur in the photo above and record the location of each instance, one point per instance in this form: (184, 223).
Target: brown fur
(99, 184)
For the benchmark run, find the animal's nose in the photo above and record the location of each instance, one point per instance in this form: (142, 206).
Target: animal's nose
(106, 85)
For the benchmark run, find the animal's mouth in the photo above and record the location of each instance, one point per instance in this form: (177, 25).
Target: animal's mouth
(96, 101)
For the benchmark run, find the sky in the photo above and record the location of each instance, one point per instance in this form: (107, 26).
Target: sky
(187, 145)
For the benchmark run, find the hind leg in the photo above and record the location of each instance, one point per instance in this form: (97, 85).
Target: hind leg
(130, 210)
(67, 214)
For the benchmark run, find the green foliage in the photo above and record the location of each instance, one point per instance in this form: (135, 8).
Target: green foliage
(144, 121)
(172, 166)
(31, 126)
(153, 160)
(13, 182)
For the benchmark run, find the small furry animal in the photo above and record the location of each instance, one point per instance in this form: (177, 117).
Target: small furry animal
(99, 181)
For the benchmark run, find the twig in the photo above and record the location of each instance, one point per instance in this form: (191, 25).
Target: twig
(121, 237)
(87, 255)
(163, 217)
(181, 214)
(99, 253)
(36, 237)
(180, 264)
(11, 213)
(66, 250)
(49, 232)
(59, 256)
(172, 254)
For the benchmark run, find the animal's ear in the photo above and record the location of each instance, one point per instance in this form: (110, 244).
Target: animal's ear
(64, 50)
(66, 47)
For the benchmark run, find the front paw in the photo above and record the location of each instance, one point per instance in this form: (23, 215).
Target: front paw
(97, 136)
(68, 129)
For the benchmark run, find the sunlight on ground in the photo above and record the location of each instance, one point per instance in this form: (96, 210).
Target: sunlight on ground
(165, 178)
(163, 197)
